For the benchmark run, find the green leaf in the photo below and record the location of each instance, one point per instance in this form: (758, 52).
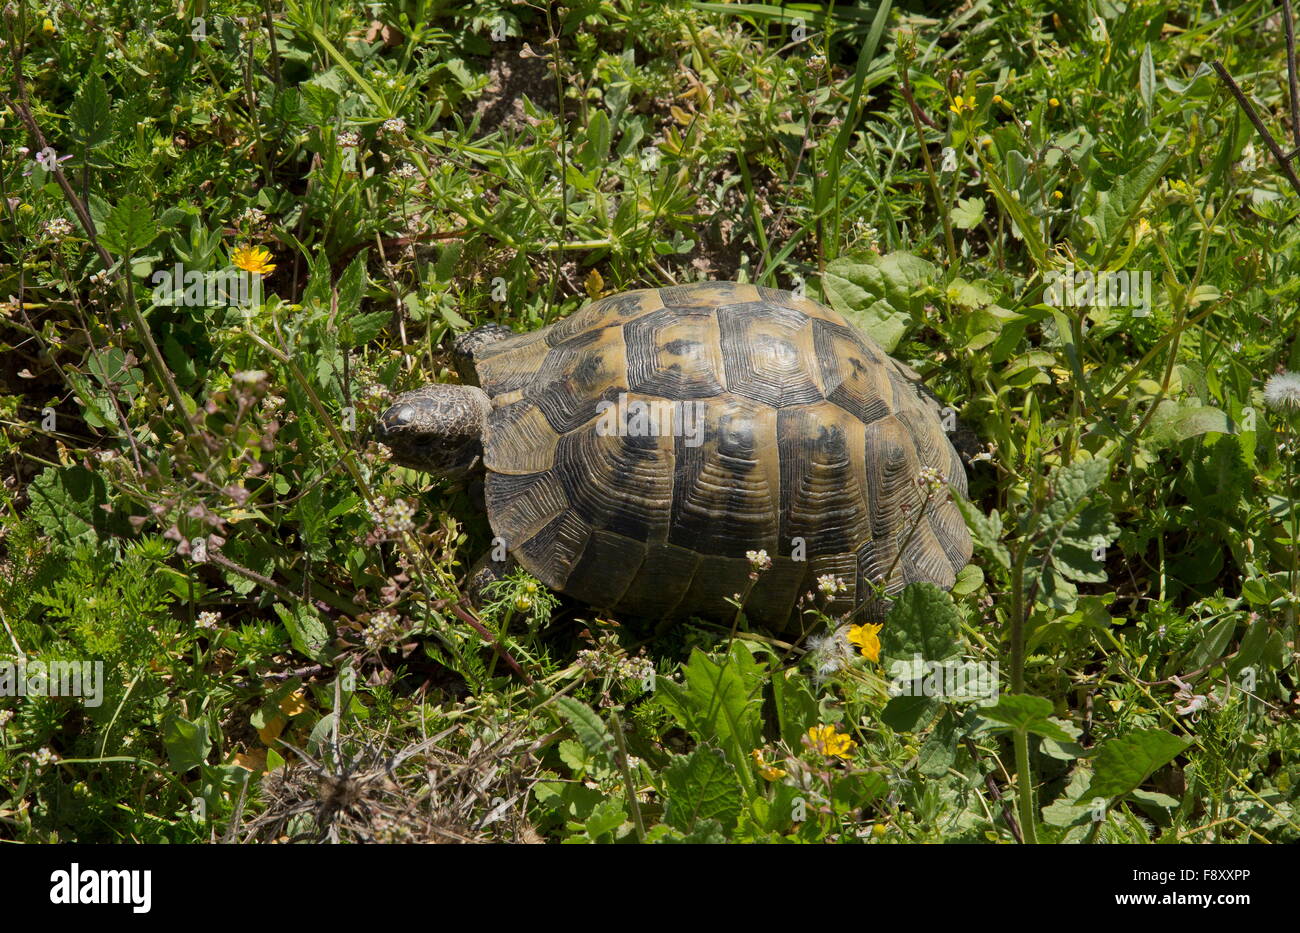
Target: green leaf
(187, 743)
(797, 709)
(967, 213)
(129, 226)
(939, 751)
(307, 631)
(91, 112)
(1213, 644)
(701, 786)
(1176, 421)
(1147, 78)
(1124, 762)
(65, 503)
(1029, 714)
(1078, 529)
(606, 816)
(909, 713)
(969, 579)
(986, 531)
(1066, 810)
(924, 621)
(587, 726)
(719, 701)
(1115, 209)
(363, 328)
(879, 294)
(351, 286)
(1025, 225)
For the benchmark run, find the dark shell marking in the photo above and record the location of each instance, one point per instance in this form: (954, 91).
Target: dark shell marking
(810, 431)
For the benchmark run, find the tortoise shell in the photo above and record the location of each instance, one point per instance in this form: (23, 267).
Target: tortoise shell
(780, 428)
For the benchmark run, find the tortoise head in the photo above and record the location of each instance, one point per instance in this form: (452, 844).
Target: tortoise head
(437, 429)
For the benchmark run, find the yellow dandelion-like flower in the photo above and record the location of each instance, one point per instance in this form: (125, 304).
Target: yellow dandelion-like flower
(47, 27)
(824, 740)
(962, 105)
(769, 772)
(1058, 194)
(253, 259)
(867, 638)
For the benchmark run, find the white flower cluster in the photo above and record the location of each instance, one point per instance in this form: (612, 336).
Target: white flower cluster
(392, 518)
(608, 659)
(56, 228)
(932, 481)
(828, 585)
(385, 627)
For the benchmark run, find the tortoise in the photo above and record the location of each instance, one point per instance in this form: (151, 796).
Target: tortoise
(638, 452)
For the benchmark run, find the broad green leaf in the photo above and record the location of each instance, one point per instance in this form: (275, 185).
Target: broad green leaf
(909, 713)
(719, 700)
(1124, 762)
(1072, 486)
(1113, 210)
(307, 631)
(91, 113)
(129, 226)
(939, 750)
(1066, 809)
(606, 816)
(986, 531)
(701, 786)
(351, 286)
(187, 743)
(879, 294)
(363, 328)
(1212, 645)
(969, 579)
(1031, 714)
(967, 213)
(66, 505)
(924, 621)
(1176, 421)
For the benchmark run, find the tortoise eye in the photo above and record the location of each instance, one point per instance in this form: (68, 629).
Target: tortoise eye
(398, 416)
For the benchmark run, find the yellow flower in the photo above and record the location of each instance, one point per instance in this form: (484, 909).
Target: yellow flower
(253, 259)
(997, 99)
(824, 740)
(1054, 102)
(769, 772)
(1058, 194)
(47, 27)
(867, 638)
(962, 105)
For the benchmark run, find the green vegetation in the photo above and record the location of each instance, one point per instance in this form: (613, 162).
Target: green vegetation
(190, 498)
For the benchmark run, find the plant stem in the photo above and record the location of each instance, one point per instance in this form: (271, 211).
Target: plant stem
(1025, 789)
